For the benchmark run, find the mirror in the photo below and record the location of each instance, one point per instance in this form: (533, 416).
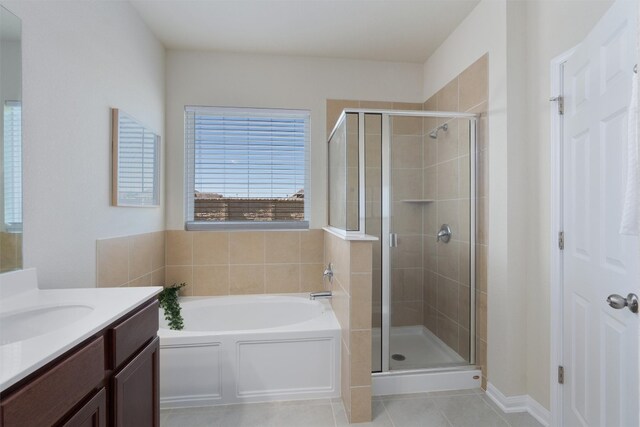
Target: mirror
(136, 162)
(11, 150)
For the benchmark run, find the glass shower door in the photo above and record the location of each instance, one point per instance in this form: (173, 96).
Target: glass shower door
(429, 278)
(406, 203)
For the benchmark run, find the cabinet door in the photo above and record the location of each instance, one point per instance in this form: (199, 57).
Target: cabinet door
(46, 399)
(92, 414)
(135, 388)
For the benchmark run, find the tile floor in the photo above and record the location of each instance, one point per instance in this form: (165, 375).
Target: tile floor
(448, 409)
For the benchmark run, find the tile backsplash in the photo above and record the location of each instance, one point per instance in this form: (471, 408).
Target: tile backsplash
(245, 262)
(136, 260)
(10, 251)
(215, 263)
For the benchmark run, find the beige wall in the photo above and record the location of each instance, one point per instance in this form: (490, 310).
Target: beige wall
(351, 301)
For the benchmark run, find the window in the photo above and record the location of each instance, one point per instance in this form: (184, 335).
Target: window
(12, 163)
(246, 168)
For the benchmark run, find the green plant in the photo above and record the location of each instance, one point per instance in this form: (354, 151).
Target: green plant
(169, 302)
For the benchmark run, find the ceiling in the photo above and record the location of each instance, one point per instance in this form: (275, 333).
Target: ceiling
(383, 30)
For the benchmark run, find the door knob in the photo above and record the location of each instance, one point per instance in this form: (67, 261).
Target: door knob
(618, 302)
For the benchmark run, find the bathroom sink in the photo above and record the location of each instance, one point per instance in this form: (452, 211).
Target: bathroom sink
(34, 321)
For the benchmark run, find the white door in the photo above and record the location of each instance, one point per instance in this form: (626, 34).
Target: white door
(600, 343)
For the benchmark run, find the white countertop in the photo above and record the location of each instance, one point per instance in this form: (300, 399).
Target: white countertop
(19, 359)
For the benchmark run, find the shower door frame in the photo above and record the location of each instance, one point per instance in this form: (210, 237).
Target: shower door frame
(386, 228)
(386, 116)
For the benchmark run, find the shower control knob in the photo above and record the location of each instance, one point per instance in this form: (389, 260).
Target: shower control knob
(444, 234)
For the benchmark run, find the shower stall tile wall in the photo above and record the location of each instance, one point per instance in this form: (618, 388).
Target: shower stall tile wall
(445, 309)
(352, 264)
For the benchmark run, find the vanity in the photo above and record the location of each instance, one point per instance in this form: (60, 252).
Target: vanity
(77, 357)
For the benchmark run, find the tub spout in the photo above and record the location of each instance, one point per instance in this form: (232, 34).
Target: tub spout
(322, 294)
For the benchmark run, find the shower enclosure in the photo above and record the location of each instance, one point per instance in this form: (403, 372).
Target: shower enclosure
(408, 178)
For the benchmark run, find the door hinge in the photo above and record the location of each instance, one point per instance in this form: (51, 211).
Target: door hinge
(561, 240)
(560, 100)
(560, 374)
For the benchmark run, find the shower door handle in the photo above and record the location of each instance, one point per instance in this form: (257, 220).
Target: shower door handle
(393, 240)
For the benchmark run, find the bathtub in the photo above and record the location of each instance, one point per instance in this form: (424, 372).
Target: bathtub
(253, 348)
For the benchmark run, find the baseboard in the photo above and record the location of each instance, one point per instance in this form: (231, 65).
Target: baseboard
(539, 412)
(522, 403)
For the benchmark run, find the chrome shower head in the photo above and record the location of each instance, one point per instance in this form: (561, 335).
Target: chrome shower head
(434, 133)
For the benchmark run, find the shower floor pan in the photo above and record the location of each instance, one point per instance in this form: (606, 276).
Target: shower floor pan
(428, 364)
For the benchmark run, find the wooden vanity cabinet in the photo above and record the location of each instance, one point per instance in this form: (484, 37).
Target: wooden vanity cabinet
(135, 389)
(134, 384)
(61, 386)
(108, 380)
(91, 414)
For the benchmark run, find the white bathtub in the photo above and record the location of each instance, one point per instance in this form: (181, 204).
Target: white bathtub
(249, 349)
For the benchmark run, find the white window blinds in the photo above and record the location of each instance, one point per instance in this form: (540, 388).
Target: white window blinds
(12, 164)
(245, 165)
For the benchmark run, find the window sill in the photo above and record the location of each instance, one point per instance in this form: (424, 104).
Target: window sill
(246, 225)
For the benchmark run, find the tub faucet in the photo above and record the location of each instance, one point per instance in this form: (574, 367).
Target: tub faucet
(321, 294)
(328, 272)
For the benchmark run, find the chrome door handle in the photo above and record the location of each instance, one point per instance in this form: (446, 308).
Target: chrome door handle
(619, 302)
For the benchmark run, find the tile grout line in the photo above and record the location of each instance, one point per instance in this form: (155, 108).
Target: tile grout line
(445, 416)
(386, 411)
(333, 412)
(483, 396)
